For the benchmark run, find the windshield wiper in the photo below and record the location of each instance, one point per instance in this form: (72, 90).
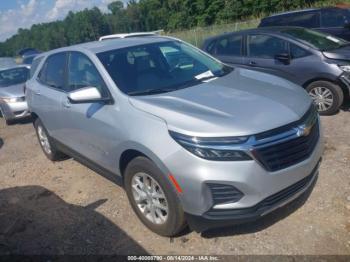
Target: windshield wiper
(151, 91)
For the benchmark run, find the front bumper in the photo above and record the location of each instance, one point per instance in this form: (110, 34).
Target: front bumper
(225, 217)
(12, 111)
(345, 80)
(255, 182)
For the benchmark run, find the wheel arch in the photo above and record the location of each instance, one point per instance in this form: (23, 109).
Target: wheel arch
(133, 150)
(333, 81)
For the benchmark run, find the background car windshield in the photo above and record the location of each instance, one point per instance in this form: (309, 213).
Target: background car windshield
(13, 76)
(315, 39)
(159, 67)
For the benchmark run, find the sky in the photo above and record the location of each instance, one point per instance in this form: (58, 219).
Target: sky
(15, 14)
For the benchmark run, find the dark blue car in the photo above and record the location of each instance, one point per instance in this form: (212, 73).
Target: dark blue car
(318, 62)
(331, 20)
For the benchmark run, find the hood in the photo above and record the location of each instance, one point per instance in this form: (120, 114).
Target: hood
(12, 91)
(338, 54)
(243, 102)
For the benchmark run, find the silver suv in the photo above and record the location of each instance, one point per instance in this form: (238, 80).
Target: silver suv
(195, 141)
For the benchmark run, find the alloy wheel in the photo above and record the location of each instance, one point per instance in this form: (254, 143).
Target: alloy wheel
(150, 198)
(323, 98)
(43, 139)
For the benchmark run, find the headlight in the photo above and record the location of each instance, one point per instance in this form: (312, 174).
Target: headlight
(13, 99)
(345, 68)
(216, 149)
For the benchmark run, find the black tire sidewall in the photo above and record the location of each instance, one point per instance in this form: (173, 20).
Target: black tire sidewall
(337, 92)
(175, 222)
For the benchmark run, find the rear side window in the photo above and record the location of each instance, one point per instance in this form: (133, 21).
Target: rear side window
(34, 66)
(335, 17)
(53, 72)
(83, 73)
(265, 46)
(230, 45)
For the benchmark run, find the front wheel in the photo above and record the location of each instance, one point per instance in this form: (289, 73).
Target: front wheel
(328, 97)
(153, 198)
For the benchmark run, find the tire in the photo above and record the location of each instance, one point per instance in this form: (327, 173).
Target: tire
(46, 144)
(321, 90)
(142, 169)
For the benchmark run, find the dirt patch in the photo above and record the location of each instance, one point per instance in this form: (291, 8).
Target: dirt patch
(65, 208)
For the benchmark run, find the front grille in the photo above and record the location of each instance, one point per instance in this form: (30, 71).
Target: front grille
(224, 193)
(287, 152)
(269, 202)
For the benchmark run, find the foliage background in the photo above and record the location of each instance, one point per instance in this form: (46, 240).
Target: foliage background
(191, 20)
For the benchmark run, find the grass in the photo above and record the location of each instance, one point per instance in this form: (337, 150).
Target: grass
(197, 35)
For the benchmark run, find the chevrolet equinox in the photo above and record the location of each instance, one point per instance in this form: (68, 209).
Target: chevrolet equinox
(195, 142)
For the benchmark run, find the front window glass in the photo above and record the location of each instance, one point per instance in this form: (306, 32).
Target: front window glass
(265, 46)
(13, 76)
(82, 73)
(315, 39)
(160, 67)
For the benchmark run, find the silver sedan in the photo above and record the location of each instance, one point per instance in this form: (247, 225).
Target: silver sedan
(13, 104)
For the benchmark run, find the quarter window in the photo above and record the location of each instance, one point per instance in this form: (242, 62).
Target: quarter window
(52, 73)
(35, 65)
(231, 45)
(264, 46)
(298, 52)
(82, 73)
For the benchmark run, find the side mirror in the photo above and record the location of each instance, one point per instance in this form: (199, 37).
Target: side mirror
(85, 95)
(283, 58)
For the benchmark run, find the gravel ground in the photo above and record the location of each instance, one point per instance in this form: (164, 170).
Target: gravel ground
(65, 208)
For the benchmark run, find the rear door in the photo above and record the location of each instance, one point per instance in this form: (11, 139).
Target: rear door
(229, 49)
(48, 92)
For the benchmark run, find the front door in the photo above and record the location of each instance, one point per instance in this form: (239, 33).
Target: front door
(262, 50)
(88, 127)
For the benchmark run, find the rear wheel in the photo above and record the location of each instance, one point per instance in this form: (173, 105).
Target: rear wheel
(46, 143)
(153, 198)
(328, 97)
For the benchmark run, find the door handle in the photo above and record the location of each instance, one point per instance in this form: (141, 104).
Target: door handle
(36, 92)
(252, 63)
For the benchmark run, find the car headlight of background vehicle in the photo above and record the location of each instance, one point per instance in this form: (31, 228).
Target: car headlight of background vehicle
(345, 68)
(216, 149)
(13, 99)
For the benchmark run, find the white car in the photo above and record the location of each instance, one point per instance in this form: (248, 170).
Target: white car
(128, 35)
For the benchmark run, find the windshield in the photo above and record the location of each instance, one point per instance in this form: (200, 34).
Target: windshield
(315, 39)
(160, 67)
(13, 76)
